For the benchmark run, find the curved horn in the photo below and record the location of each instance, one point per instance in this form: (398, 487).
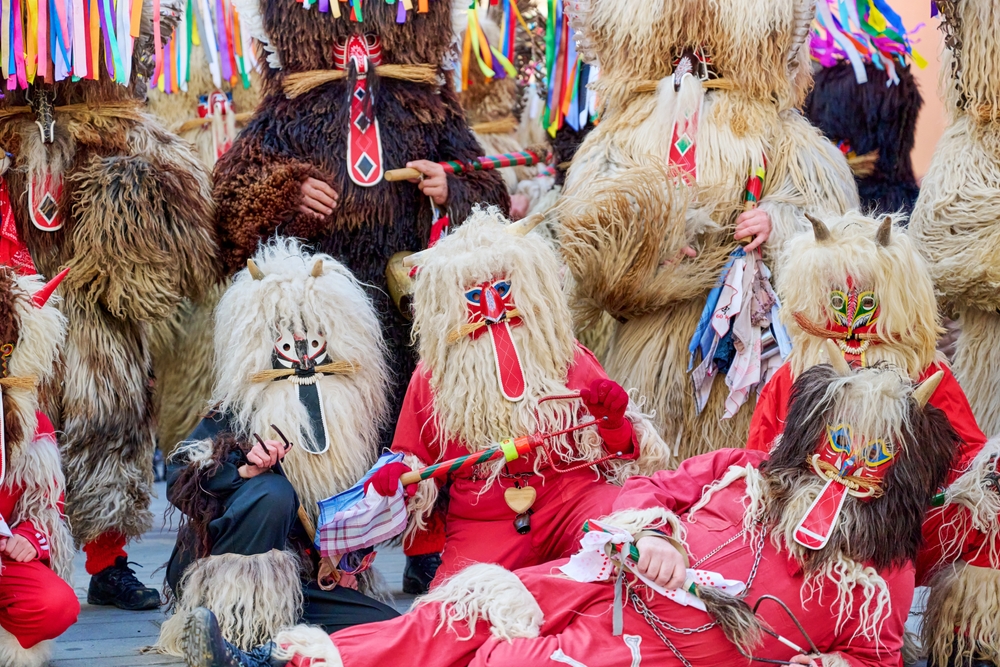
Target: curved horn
(923, 393)
(317, 269)
(254, 270)
(412, 260)
(884, 234)
(525, 225)
(41, 297)
(820, 230)
(836, 358)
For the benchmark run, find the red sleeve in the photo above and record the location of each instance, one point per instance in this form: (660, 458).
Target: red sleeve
(950, 398)
(580, 375)
(768, 420)
(886, 648)
(678, 490)
(38, 539)
(415, 432)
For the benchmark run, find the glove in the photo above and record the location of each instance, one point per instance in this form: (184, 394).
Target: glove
(607, 401)
(386, 479)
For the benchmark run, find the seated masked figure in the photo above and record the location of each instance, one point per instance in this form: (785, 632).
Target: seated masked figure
(859, 282)
(495, 340)
(37, 602)
(299, 355)
(828, 524)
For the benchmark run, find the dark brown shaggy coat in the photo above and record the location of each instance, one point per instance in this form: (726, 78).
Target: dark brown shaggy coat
(257, 182)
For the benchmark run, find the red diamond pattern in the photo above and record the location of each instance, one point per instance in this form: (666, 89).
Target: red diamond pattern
(508, 362)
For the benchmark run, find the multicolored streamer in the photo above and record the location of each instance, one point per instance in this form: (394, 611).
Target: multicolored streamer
(862, 31)
(354, 8)
(569, 102)
(492, 62)
(214, 27)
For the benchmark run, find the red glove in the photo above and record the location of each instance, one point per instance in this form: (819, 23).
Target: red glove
(607, 401)
(386, 479)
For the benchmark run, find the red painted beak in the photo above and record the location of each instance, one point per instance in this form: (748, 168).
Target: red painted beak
(41, 297)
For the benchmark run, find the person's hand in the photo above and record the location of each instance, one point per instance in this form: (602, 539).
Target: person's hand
(318, 198)
(434, 183)
(18, 548)
(661, 562)
(756, 223)
(804, 660)
(262, 458)
(607, 401)
(385, 481)
(519, 206)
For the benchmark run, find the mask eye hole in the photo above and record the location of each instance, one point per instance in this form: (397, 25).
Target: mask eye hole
(839, 438)
(315, 343)
(371, 40)
(286, 347)
(868, 302)
(878, 453)
(474, 296)
(837, 300)
(502, 287)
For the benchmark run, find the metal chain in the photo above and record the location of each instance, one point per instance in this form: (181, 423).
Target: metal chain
(719, 548)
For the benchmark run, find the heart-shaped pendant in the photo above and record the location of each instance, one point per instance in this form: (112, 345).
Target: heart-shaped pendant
(520, 500)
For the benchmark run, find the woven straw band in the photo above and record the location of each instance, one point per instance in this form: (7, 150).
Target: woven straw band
(84, 112)
(300, 83)
(814, 329)
(26, 382)
(472, 327)
(333, 368)
(856, 486)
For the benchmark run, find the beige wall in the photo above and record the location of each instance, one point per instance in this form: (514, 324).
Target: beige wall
(931, 123)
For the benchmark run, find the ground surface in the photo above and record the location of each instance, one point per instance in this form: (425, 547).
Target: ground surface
(108, 637)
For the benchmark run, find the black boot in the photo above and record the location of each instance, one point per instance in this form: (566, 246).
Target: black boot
(204, 646)
(116, 585)
(419, 572)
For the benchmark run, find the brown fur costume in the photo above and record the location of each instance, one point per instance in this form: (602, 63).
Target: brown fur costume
(625, 218)
(136, 207)
(257, 183)
(32, 465)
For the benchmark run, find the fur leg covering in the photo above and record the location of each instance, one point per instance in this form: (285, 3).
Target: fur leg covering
(184, 364)
(252, 596)
(12, 654)
(306, 641)
(962, 621)
(977, 366)
(490, 593)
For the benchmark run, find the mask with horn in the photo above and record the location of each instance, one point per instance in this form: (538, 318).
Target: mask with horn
(857, 282)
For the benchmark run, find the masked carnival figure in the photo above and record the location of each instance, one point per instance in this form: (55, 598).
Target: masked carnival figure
(722, 558)
(498, 361)
(300, 396)
(860, 283)
(350, 93)
(37, 601)
(99, 186)
(699, 141)
(867, 102)
(206, 100)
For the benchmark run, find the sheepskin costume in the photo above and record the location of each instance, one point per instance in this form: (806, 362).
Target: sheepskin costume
(637, 192)
(875, 124)
(306, 131)
(285, 294)
(36, 333)
(127, 205)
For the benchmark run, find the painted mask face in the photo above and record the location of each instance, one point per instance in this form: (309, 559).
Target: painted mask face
(358, 49)
(854, 309)
(299, 352)
(491, 309)
(848, 455)
(490, 301)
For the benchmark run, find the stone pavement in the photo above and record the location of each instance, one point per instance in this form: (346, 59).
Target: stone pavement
(109, 637)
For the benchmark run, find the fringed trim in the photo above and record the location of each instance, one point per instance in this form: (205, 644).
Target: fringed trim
(38, 472)
(654, 518)
(306, 641)
(490, 593)
(253, 598)
(12, 654)
(422, 504)
(852, 579)
(981, 501)
(962, 621)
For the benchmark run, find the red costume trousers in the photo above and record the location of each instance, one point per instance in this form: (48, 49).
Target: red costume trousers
(35, 604)
(562, 505)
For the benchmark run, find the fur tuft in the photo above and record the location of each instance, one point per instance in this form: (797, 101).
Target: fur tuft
(960, 623)
(12, 654)
(490, 593)
(253, 597)
(305, 641)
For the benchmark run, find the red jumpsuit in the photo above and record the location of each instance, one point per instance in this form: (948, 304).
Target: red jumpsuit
(35, 603)
(479, 526)
(769, 422)
(577, 627)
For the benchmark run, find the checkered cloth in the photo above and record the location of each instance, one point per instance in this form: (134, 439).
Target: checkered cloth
(353, 520)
